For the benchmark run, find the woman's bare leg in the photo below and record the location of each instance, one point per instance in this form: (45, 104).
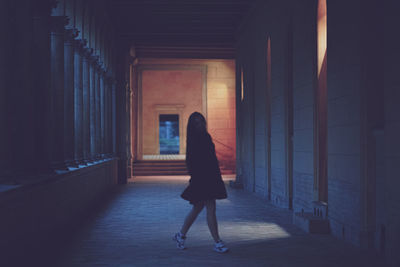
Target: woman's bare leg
(191, 217)
(212, 219)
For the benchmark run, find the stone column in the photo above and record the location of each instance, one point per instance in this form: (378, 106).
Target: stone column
(121, 132)
(57, 87)
(102, 114)
(43, 133)
(78, 103)
(19, 83)
(128, 130)
(107, 117)
(134, 109)
(69, 101)
(92, 110)
(114, 118)
(98, 114)
(105, 142)
(86, 84)
(110, 118)
(4, 31)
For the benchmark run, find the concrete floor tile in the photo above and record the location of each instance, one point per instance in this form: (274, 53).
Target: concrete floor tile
(135, 228)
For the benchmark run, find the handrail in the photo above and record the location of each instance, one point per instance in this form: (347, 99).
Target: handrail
(219, 142)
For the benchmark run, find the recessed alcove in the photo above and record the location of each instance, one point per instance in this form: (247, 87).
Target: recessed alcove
(180, 87)
(168, 134)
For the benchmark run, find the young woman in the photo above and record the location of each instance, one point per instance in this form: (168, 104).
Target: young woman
(205, 184)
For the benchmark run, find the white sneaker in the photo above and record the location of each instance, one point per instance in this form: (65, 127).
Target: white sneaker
(220, 247)
(180, 240)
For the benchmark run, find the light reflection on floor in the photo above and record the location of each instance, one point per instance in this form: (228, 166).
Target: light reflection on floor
(136, 225)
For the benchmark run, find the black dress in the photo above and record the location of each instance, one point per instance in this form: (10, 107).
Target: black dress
(206, 181)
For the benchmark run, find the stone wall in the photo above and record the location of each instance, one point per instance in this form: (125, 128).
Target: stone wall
(345, 121)
(33, 215)
(390, 177)
(358, 207)
(220, 99)
(175, 90)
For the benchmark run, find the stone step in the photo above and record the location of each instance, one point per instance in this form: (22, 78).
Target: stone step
(161, 163)
(310, 223)
(159, 167)
(163, 173)
(163, 167)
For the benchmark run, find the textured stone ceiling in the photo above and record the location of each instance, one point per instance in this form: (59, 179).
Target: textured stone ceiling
(203, 27)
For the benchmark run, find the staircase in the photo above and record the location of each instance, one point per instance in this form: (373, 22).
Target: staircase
(159, 167)
(165, 167)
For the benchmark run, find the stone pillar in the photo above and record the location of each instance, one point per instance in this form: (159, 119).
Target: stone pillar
(86, 84)
(122, 131)
(114, 118)
(107, 116)
(19, 83)
(128, 131)
(69, 101)
(105, 81)
(78, 103)
(133, 110)
(5, 30)
(98, 114)
(102, 114)
(57, 86)
(41, 82)
(110, 118)
(92, 110)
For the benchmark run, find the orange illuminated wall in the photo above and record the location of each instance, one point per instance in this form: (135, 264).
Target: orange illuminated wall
(322, 37)
(177, 86)
(168, 91)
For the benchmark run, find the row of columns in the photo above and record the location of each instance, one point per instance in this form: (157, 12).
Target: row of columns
(58, 102)
(83, 102)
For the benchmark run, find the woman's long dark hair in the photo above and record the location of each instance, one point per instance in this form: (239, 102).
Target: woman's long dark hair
(196, 128)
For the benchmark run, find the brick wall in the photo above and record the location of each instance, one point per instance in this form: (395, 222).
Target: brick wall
(39, 213)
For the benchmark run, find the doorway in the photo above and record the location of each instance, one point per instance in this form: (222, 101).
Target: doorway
(169, 134)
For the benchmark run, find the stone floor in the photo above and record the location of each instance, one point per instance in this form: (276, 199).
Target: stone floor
(135, 226)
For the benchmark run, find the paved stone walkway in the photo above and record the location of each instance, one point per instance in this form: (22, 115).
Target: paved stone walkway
(135, 227)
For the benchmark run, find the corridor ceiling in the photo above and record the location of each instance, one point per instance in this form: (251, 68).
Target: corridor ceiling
(179, 28)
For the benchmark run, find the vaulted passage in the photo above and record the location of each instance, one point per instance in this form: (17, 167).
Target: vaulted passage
(301, 99)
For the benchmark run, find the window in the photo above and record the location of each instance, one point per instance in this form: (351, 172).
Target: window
(169, 133)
